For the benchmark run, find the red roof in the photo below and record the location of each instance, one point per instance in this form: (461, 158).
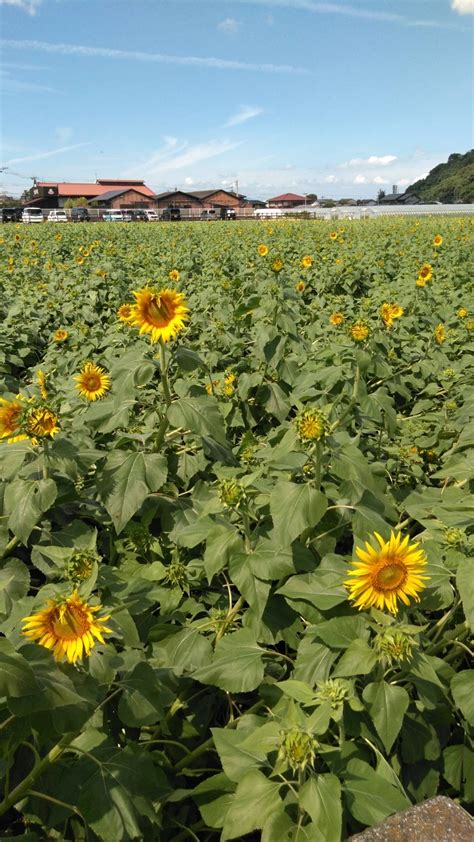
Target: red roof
(287, 197)
(66, 188)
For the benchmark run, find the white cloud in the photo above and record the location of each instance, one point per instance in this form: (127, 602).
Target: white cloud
(170, 159)
(83, 51)
(189, 181)
(463, 7)
(39, 156)
(331, 179)
(371, 161)
(29, 6)
(17, 86)
(379, 180)
(229, 25)
(360, 179)
(245, 112)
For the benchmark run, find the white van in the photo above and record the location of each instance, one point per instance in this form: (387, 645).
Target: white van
(57, 216)
(32, 215)
(152, 215)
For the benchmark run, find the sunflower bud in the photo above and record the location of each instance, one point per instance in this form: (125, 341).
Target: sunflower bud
(454, 537)
(231, 493)
(81, 565)
(334, 690)
(177, 574)
(392, 645)
(297, 748)
(311, 425)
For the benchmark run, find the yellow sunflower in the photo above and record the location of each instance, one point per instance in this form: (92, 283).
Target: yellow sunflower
(382, 575)
(336, 319)
(426, 272)
(60, 335)
(438, 240)
(277, 265)
(41, 380)
(161, 313)
(389, 312)
(174, 275)
(10, 414)
(333, 235)
(440, 334)
(42, 422)
(311, 425)
(306, 262)
(92, 382)
(262, 250)
(68, 626)
(462, 313)
(125, 312)
(300, 286)
(359, 331)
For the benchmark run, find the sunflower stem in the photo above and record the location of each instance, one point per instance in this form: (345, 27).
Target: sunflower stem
(25, 785)
(45, 459)
(10, 546)
(164, 374)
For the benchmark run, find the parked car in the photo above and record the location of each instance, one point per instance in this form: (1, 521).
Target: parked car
(80, 214)
(57, 216)
(116, 216)
(228, 213)
(171, 215)
(139, 215)
(152, 215)
(32, 215)
(209, 214)
(11, 214)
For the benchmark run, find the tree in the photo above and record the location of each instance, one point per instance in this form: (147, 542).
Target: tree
(9, 201)
(311, 197)
(380, 195)
(76, 203)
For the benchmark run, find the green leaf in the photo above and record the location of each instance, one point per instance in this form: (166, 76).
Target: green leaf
(236, 755)
(464, 580)
(458, 769)
(387, 706)
(126, 481)
(141, 703)
(237, 664)
(320, 796)
(340, 632)
(297, 690)
(358, 659)
(25, 502)
(16, 676)
(255, 800)
(214, 797)
(323, 589)
(200, 415)
(14, 584)
(462, 688)
(187, 359)
(183, 650)
(370, 798)
(295, 508)
(221, 543)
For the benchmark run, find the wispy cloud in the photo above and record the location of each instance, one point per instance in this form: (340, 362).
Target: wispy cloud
(245, 112)
(83, 51)
(177, 156)
(17, 86)
(463, 7)
(39, 156)
(371, 161)
(28, 6)
(229, 25)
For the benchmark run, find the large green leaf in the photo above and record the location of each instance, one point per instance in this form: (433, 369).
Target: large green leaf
(16, 676)
(14, 584)
(295, 508)
(387, 706)
(320, 796)
(371, 798)
(237, 664)
(462, 688)
(255, 800)
(127, 479)
(25, 502)
(464, 580)
(199, 415)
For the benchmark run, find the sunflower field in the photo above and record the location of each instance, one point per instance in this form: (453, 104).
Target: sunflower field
(237, 532)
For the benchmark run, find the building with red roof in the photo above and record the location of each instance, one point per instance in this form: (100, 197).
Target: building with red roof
(286, 200)
(54, 194)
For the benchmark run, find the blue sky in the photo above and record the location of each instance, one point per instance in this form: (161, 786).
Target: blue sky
(340, 99)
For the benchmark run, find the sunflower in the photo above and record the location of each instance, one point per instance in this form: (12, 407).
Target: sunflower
(300, 286)
(336, 319)
(41, 422)
(92, 382)
(60, 335)
(67, 626)
(359, 331)
(10, 415)
(420, 282)
(426, 272)
(174, 275)
(462, 313)
(311, 425)
(393, 570)
(79, 260)
(161, 313)
(41, 380)
(389, 312)
(439, 334)
(277, 264)
(262, 250)
(306, 262)
(333, 235)
(438, 240)
(125, 312)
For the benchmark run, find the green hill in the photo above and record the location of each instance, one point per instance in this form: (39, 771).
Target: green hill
(450, 182)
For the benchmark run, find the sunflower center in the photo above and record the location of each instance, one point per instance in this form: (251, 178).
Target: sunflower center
(159, 311)
(69, 622)
(390, 576)
(92, 382)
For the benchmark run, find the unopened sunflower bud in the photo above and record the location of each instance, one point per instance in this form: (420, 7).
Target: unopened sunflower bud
(392, 645)
(297, 748)
(334, 690)
(81, 565)
(231, 493)
(311, 425)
